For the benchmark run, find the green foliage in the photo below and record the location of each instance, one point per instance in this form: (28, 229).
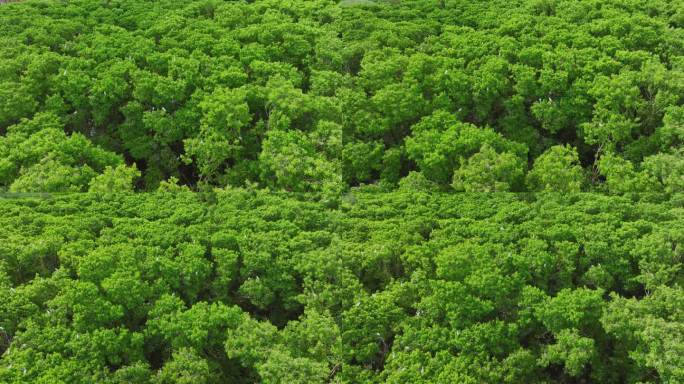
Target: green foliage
(667, 169)
(323, 96)
(571, 350)
(51, 176)
(37, 156)
(331, 184)
(439, 143)
(488, 171)
(224, 115)
(557, 170)
(114, 180)
(185, 367)
(653, 330)
(255, 286)
(621, 177)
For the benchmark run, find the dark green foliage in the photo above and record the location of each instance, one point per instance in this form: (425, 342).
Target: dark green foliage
(320, 96)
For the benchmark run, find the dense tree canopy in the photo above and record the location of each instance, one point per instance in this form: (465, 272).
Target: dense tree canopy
(320, 96)
(250, 286)
(341, 191)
